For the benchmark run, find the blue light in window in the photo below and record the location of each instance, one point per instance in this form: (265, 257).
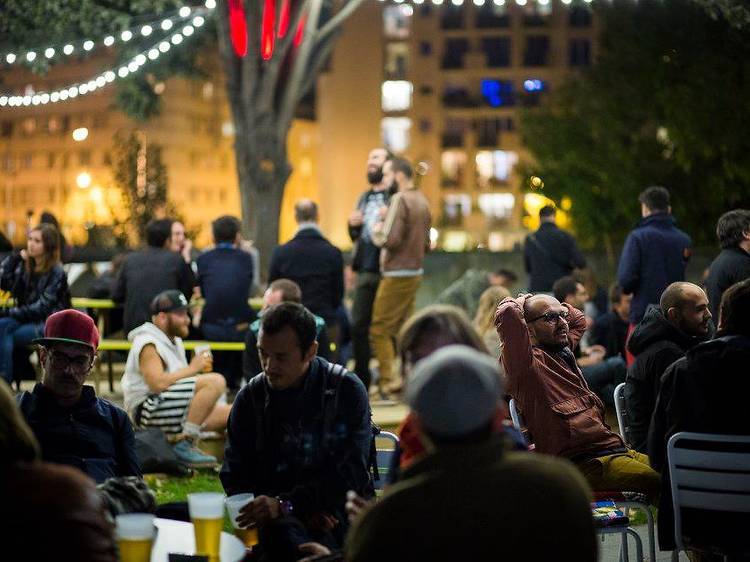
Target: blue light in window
(534, 85)
(495, 92)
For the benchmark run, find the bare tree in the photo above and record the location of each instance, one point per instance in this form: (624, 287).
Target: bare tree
(264, 95)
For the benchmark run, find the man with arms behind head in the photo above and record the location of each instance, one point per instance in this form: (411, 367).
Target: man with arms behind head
(298, 438)
(680, 322)
(72, 425)
(162, 390)
(564, 417)
(461, 501)
(366, 259)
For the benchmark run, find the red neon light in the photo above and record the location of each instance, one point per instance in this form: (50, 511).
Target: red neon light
(238, 27)
(267, 31)
(284, 18)
(300, 31)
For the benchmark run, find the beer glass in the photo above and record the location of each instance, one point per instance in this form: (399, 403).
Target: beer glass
(135, 536)
(205, 350)
(207, 514)
(249, 535)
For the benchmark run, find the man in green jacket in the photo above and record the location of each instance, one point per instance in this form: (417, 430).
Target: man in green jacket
(471, 498)
(465, 291)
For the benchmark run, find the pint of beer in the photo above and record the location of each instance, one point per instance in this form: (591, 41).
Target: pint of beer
(249, 535)
(207, 515)
(205, 350)
(135, 536)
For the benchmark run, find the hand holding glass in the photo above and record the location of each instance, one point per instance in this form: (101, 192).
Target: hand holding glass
(249, 535)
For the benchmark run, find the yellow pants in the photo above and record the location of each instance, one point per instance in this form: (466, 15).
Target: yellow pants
(394, 303)
(622, 472)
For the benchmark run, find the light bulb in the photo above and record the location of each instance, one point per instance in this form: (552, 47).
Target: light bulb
(146, 30)
(176, 38)
(153, 54)
(30, 56)
(126, 35)
(49, 52)
(166, 25)
(188, 30)
(68, 49)
(10, 58)
(88, 45)
(184, 12)
(109, 41)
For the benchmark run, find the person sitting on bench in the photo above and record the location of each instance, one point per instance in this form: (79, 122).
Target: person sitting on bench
(162, 390)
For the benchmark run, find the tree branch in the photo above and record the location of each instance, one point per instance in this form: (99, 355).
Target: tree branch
(316, 65)
(288, 104)
(349, 8)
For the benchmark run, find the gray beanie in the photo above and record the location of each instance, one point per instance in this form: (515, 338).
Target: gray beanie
(455, 390)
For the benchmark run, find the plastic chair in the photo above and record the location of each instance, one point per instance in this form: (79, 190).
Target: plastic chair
(712, 473)
(622, 413)
(623, 530)
(384, 458)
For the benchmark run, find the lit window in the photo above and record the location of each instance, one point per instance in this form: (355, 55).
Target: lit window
(455, 208)
(497, 206)
(534, 85)
(29, 125)
(497, 93)
(452, 168)
(396, 95)
(397, 21)
(395, 131)
(494, 167)
(396, 60)
(208, 90)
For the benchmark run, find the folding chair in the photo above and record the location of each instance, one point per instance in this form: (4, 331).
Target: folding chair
(711, 473)
(384, 458)
(622, 413)
(623, 529)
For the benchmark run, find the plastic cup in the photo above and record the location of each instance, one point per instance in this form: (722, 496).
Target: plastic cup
(248, 535)
(135, 536)
(205, 350)
(207, 514)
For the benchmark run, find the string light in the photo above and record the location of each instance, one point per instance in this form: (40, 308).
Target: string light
(49, 52)
(98, 81)
(146, 30)
(109, 40)
(166, 25)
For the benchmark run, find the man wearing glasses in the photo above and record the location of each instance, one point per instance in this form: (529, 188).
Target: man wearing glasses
(74, 426)
(563, 416)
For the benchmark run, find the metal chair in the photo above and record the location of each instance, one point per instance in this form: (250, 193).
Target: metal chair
(384, 458)
(622, 530)
(622, 422)
(712, 473)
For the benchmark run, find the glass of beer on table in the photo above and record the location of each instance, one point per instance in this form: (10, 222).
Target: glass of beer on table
(135, 536)
(205, 350)
(248, 535)
(207, 514)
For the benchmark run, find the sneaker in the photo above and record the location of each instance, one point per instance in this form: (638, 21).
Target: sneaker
(192, 456)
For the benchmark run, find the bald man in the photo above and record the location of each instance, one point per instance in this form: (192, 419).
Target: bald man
(563, 416)
(312, 262)
(680, 322)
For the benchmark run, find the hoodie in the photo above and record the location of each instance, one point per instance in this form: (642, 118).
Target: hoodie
(656, 344)
(172, 353)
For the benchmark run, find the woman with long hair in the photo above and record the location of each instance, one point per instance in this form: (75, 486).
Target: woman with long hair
(484, 320)
(37, 282)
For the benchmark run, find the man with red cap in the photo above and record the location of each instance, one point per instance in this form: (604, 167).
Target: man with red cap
(74, 426)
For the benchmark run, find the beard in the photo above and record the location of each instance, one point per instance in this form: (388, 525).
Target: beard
(374, 177)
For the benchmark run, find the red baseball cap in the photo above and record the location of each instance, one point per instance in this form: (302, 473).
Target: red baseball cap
(70, 326)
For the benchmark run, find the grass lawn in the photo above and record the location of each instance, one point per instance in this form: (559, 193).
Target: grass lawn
(175, 489)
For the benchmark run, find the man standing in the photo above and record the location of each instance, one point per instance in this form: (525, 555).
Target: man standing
(550, 253)
(72, 425)
(312, 262)
(563, 416)
(299, 438)
(461, 501)
(162, 390)
(706, 392)
(366, 259)
(225, 276)
(148, 272)
(404, 237)
(655, 253)
(733, 263)
(666, 333)
(465, 291)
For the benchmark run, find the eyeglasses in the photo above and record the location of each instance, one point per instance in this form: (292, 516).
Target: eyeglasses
(551, 317)
(62, 361)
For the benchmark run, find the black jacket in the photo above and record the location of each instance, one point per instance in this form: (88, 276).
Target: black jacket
(144, 275)
(730, 266)
(611, 331)
(330, 458)
(550, 253)
(705, 392)
(37, 296)
(317, 266)
(656, 344)
(94, 436)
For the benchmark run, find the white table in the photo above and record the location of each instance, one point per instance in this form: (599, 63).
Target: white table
(178, 537)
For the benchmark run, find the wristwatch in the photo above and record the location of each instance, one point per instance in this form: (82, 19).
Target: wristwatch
(286, 506)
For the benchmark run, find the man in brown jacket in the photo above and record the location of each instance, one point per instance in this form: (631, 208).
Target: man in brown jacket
(404, 237)
(563, 416)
